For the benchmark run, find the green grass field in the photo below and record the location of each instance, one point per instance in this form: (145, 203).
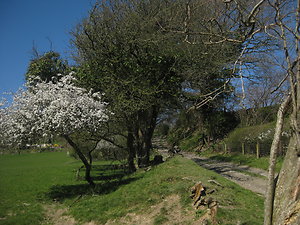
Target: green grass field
(25, 178)
(30, 181)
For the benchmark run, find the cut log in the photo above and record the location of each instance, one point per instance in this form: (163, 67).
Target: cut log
(202, 201)
(198, 190)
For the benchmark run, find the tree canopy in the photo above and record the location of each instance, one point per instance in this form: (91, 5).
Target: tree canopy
(129, 51)
(46, 67)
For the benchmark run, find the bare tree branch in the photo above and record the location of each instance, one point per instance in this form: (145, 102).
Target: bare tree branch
(272, 163)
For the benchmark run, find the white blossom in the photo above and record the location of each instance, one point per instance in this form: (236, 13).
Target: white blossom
(48, 109)
(265, 135)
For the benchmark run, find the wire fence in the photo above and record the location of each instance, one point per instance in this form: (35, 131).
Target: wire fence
(258, 148)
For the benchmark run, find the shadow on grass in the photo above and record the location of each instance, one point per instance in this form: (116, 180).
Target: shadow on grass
(61, 192)
(109, 172)
(109, 178)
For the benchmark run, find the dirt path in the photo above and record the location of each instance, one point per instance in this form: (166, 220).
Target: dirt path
(57, 214)
(247, 177)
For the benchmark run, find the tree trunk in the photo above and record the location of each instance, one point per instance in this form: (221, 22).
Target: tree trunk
(144, 135)
(287, 193)
(88, 177)
(148, 144)
(147, 140)
(90, 157)
(85, 162)
(272, 162)
(131, 151)
(140, 149)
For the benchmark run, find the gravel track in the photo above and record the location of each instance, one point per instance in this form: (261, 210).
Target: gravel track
(250, 178)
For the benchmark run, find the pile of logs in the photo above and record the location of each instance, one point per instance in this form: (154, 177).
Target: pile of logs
(202, 201)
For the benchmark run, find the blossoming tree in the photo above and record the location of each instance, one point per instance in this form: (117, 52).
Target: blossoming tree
(2, 102)
(50, 109)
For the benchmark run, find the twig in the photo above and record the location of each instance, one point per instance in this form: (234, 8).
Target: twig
(216, 183)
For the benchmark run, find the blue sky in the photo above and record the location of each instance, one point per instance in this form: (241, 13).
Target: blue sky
(24, 22)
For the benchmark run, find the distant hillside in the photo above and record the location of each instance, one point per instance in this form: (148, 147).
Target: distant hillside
(216, 130)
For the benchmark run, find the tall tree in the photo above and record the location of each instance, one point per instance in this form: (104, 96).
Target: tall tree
(283, 207)
(129, 51)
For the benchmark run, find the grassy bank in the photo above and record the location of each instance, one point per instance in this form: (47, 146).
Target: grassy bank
(174, 177)
(30, 181)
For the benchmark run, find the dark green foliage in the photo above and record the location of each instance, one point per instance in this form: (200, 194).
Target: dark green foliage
(118, 50)
(138, 75)
(192, 142)
(46, 67)
(201, 128)
(129, 51)
(220, 123)
(162, 129)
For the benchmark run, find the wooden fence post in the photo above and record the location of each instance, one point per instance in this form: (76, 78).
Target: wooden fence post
(225, 148)
(243, 148)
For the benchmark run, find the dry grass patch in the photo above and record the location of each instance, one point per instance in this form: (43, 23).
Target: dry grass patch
(169, 211)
